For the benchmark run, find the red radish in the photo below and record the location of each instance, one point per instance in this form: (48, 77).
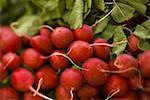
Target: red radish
(8, 40)
(11, 60)
(147, 85)
(45, 32)
(29, 96)
(134, 82)
(126, 62)
(85, 33)
(79, 51)
(143, 96)
(116, 85)
(58, 61)
(71, 79)
(1, 54)
(130, 95)
(61, 37)
(22, 80)
(101, 51)
(42, 44)
(88, 91)
(132, 43)
(32, 58)
(144, 63)
(62, 94)
(111, 65)
(3, 72)
(49, 76)
(93, 76)
(8, 93)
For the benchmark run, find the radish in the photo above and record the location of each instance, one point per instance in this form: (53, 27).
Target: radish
(88, 91)
(132, 43)
(79, 51)
(49, 76)
(143, 95)
(11, 60)
(3, 72)
(101, 51)
(8, 40)
(32, 58)
(45, 32)
(29, 96)
(42, 44)
(93, 76)
(126, 62)
(1, 54)
(62, 94)
(71, 79)
(116, 86)
(58, 61)
(8, 93)
(22, 80)
(111, 65)
(85, 33)
(130, 95)
(147, 85)
(61, 37)
(134, 82)
(144, 61)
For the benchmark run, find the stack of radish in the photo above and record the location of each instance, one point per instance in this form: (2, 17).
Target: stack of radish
(72, 64)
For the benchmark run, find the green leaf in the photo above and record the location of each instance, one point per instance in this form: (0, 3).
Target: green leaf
(101, 26)
(142, 32)
(46, 4)
(76, 16)
(99, 4)
(28, 24)
(69, 4)
(138, 5)
(87, 7)
(123, 13)
(146, 24)
(107, 33)
(144, 45)
(118, 37)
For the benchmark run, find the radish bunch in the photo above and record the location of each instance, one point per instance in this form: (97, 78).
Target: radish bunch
(73, 65)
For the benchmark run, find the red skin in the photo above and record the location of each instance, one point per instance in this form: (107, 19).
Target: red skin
(9, 40)
(71, 78)
(8, 93)
(143, 96)
(111, 65)
(128, 96)
(49, 76)
(147, 85)
(116, 82)
(42, 44)
(22, 79)
(132, 43)
(46, 32)
(80, 51)
(29, 96)
(85, 33)
(144, 63)
(62, 94)
(61, 37)
(1, 54)
(59, 62)
(101, 52)
(134, 83)
(93, 76)
(126, 61)
(16, 62)
(3, 72)
(88, 91)
(32, 58)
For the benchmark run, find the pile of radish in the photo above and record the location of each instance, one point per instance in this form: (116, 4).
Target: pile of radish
(66, 64)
